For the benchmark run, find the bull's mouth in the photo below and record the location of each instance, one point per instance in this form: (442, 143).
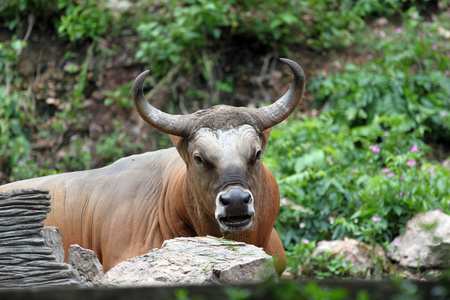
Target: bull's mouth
(236, 222)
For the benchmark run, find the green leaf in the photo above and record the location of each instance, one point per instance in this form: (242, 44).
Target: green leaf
(398, 210)
(337, 185)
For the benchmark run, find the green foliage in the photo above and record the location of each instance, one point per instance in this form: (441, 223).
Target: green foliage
(299, 254)
(88, 20)
(116, 145)
(289, 290)
(237, 293)
(363, 182)
(17, 13)
(14, 143)
(120, 97)
(326, 264)
(409, 78)
(181, 31)
(8, 56)
(77, 155)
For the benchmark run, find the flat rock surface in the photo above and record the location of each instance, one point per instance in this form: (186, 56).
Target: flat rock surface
(194, 260)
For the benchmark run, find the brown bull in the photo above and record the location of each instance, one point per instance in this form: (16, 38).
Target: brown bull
(212, 183)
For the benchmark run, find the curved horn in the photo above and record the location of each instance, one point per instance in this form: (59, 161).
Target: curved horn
(167, 123)
(273, 114)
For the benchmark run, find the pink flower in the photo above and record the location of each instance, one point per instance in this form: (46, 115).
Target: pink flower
(390, 175)
(437, 209)
(411, 163)
(354, 171)
(386, 133)
(400, 194)
(444, 113)
(398, 30)
(73, 137)
(374, 148)
(397, 244)
(414, 148)
(414, 16)
(434, 47)
(430, 34)
(408, 193)
(401, 178)
(432, 171)
(305, 241)
(376, 219)
(20, 161)
(385, 170)
(85, 148)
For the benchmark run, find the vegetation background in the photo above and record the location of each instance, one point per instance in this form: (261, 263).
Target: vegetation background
(367, 149)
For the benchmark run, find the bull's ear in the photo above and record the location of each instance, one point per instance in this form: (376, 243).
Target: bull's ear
(265, 135)
(175, 139)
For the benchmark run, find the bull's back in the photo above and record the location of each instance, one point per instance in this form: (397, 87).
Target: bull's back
(103, 206)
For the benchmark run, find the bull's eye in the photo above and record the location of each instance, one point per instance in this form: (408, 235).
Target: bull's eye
(258, 154)
(198, 159)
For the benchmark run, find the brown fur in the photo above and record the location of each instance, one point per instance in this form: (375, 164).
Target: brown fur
(125, 209)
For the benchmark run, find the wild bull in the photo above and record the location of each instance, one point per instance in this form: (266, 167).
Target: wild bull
(212, 183)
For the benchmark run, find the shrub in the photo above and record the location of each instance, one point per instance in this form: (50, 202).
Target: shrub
(88, 20)
(409, 78)
(363, 182)
(15, 148)
(181, 32)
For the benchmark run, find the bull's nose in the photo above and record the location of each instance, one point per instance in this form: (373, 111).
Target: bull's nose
(234, 209)
(235, 197)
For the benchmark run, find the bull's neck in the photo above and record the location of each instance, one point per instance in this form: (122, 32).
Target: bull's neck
(173, 217)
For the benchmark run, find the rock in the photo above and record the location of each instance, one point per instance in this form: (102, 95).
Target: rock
(361, 255)
(194, 260)
(119, 5)
(71, 67)
(85, 261)
(53, 239)
(425, 242)
(26, 261)
(381, 22)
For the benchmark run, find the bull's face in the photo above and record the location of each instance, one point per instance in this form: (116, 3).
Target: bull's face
(224, 166)
(222, 148)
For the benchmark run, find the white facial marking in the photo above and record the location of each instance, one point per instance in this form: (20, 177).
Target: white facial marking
(226, 149)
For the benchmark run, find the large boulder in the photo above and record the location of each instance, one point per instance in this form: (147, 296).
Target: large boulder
(195, 260)
(363, 257)
(425, 242)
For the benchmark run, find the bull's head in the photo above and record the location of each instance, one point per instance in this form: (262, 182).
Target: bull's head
(222, 149)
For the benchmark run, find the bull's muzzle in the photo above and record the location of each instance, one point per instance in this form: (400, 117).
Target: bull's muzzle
(234, 209)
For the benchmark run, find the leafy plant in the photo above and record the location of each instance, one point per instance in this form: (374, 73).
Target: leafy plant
(363, 182)
(409, 78)
(17, 13)
(326, 264)
(181, 33)
(116, 145)
(88, 20)
(120, 97)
